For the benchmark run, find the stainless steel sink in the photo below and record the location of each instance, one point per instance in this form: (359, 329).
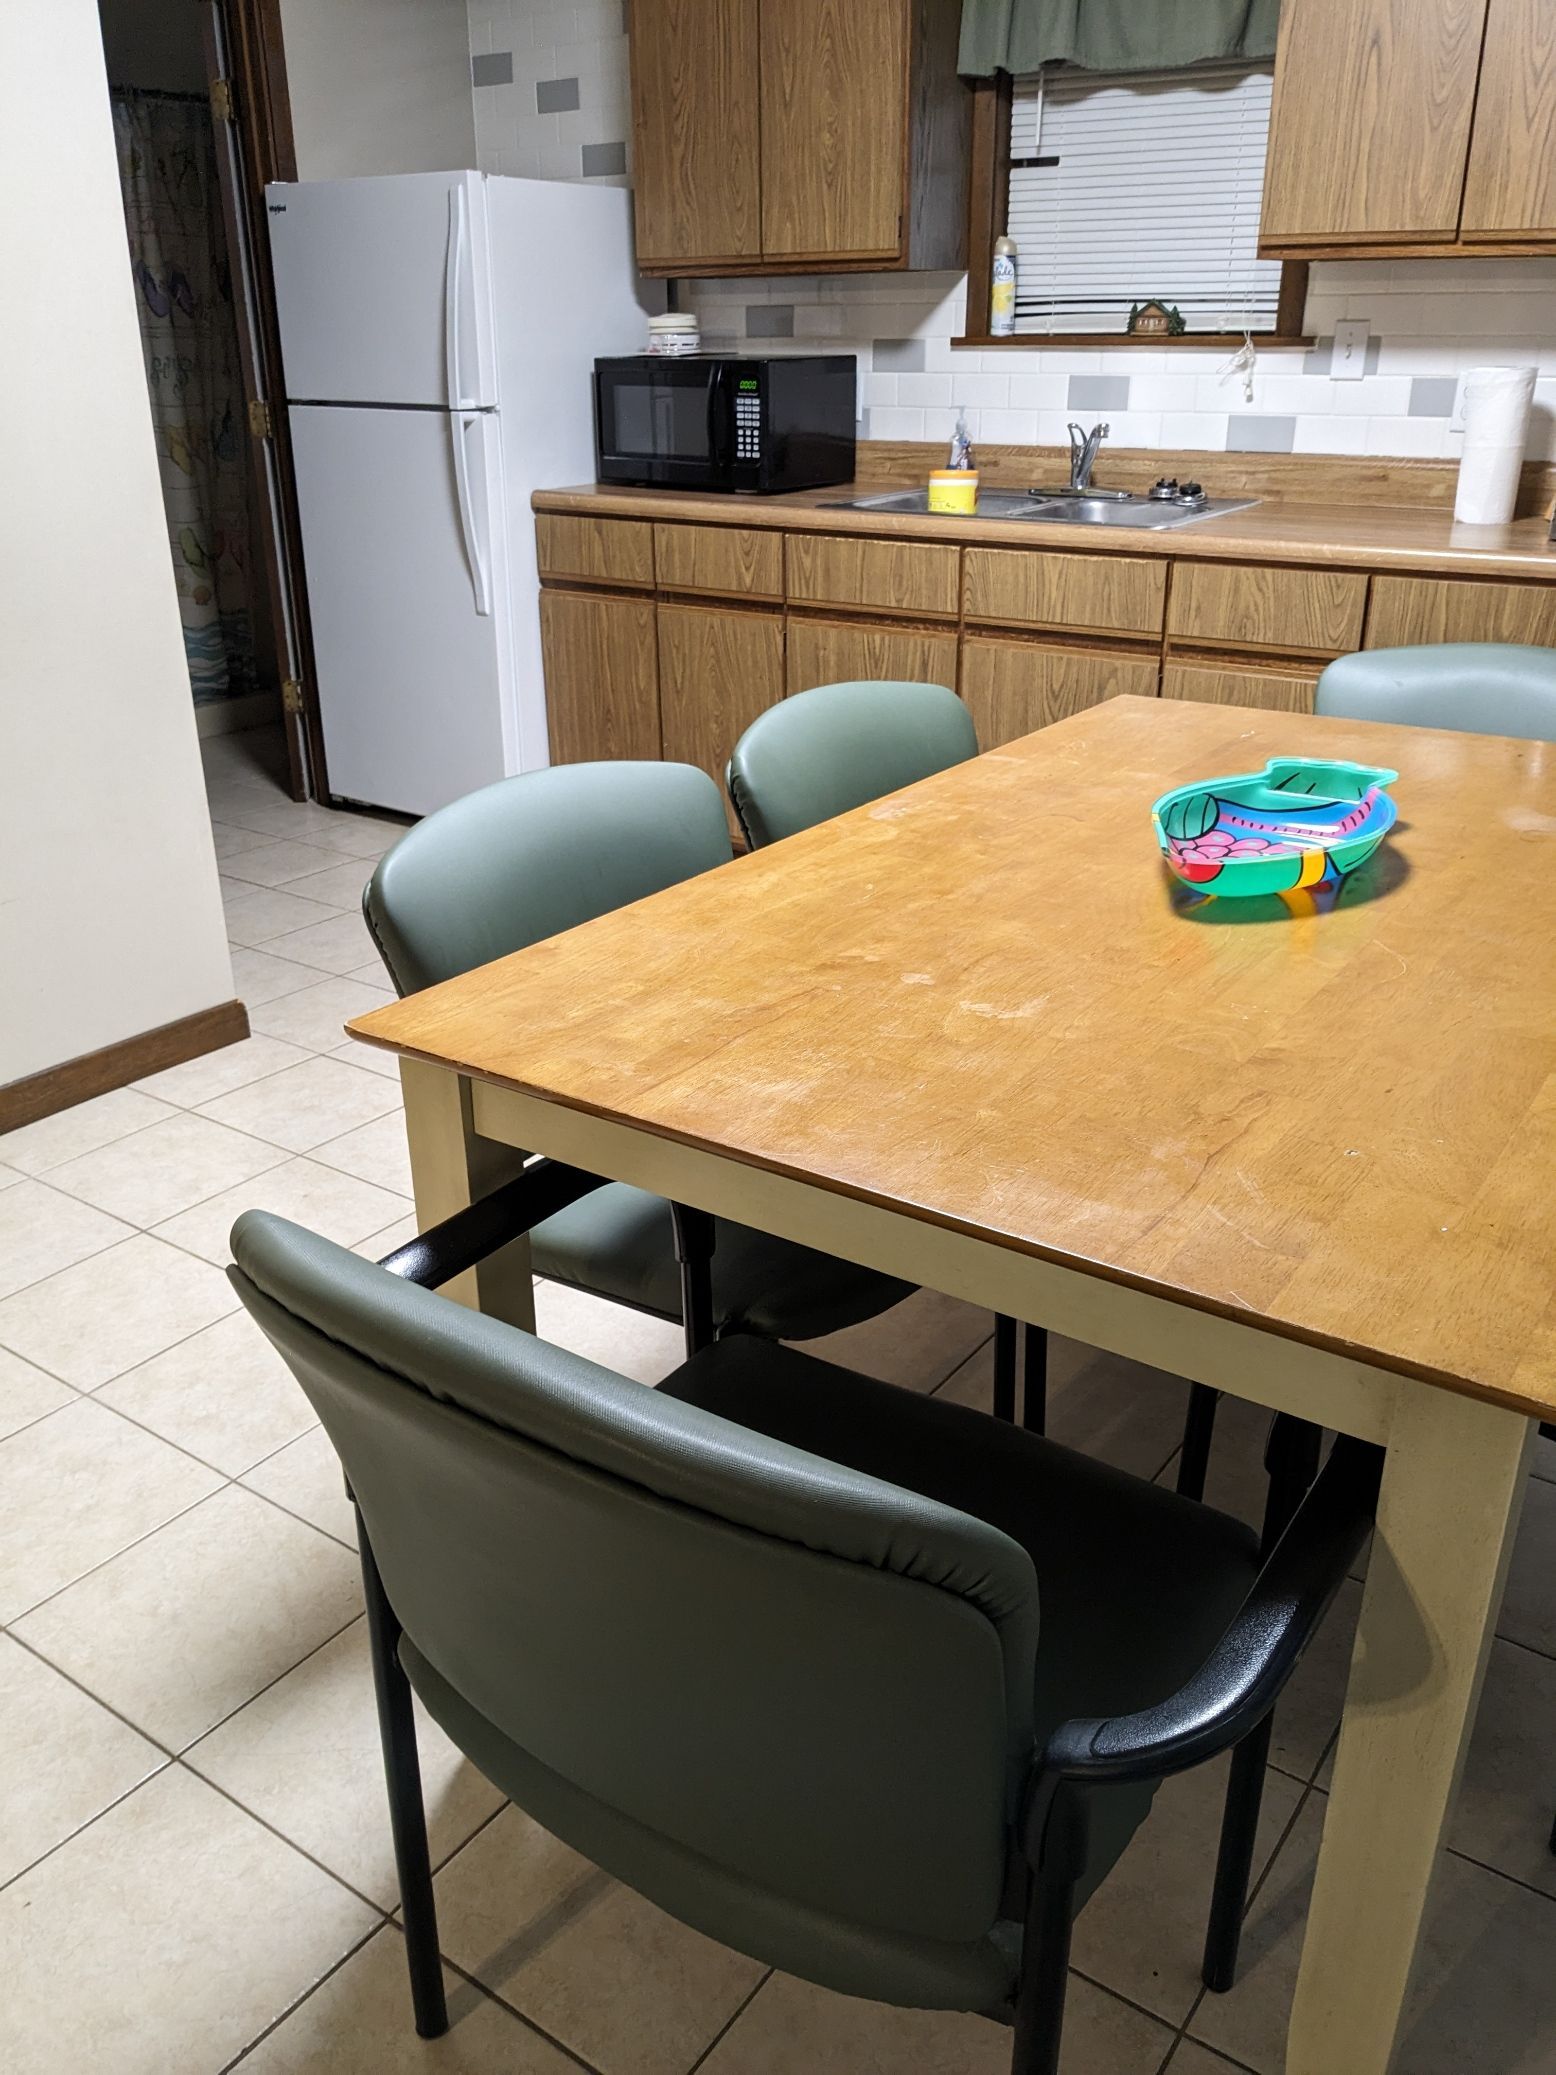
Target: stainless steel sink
(1113, 508)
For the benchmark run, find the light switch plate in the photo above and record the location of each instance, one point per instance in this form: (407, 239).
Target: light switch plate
(1348, 356)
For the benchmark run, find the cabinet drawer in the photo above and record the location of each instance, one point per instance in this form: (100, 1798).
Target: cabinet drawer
(1014, 687)
(833, 652)
(1216, 687)
(734, 561)
(900, 576)
(1240, 605)
(1408, 611)
(602, 551)
(1102, 594)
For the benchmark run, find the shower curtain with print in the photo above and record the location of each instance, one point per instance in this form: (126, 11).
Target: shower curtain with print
(183, 293)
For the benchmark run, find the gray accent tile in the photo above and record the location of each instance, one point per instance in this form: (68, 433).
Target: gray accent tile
(1248, 434)
(898, 357)
(1319, 357)
(556, 96)
(1431, 396)
(604, 158)
(495, 68)
(769, 320)
(1099, 393)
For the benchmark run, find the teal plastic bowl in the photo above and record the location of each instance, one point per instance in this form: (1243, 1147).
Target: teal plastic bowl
(1297, 823)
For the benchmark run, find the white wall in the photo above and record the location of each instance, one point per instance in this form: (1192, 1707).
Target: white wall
(551, 89)
(110, 916)
(378, 86)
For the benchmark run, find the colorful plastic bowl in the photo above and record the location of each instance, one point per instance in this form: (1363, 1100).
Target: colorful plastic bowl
(1297, 823)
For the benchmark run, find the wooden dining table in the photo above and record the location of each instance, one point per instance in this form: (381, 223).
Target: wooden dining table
(1300, 1150)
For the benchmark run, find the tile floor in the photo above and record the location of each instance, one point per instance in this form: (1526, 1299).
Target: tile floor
(194, 1865)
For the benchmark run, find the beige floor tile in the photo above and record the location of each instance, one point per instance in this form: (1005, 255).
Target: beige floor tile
(357, 835)
(257, 915)
(1143, 1932)
(373, 1057)
(163, 1938)
(917, 1343)
(230, 840)
(105, 1315)
(337, 946)
(791, 2025)
(598, 1968)
(75, 1489)
(66, 1758)
(316, 1016)
(372, 972)
(1529, 1607)
(10, 1176)
(630, 1342)
(1118, 1411)
(377, 1152)
(167, 1168)
(275, 864)
(191, 1622)
(1508, 1796)
(218, 1073)
(272, 819)
(1485, 1999)
(337, 1205)
(306, 1104)
(42, 1231)
(1193, 2059)
(259, 978)
(359, 2023)
(304, 1756)
(27, 1394)
(35, 1148)
(306, 1478)
(377, 1244)
(223, 1395)
(340, 886)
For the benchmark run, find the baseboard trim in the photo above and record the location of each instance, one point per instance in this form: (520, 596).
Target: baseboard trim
(114, 1066)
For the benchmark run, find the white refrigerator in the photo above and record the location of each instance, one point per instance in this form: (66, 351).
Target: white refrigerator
(438, 339)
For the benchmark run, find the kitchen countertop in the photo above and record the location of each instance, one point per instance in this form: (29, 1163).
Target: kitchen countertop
(1360, 536)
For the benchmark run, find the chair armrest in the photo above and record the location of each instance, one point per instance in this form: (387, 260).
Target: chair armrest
(1240, 1681)
(542, 1189)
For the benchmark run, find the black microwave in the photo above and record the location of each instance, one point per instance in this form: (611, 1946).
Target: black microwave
(710, 421)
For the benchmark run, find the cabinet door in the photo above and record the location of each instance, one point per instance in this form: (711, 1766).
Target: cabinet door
(602, 676)
(1511, 188)
(717, 671)
(1371, 124)
(834, 127)
(1280, 692)
(1015, 687)
(696, 122)
(839, 651)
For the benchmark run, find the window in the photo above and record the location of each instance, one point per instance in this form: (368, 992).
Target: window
(1124, 188)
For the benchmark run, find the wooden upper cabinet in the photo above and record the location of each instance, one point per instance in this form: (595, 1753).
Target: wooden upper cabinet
(1510, 189)
(696, 120)
(1370, 129)
(834, 119)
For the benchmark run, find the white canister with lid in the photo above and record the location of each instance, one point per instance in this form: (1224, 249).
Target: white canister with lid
(678, 331)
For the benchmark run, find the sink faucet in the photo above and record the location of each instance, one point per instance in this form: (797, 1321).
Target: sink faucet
(1083, 454)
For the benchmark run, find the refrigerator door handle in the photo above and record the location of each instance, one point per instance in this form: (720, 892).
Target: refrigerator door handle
(461, 424)
(454, 270)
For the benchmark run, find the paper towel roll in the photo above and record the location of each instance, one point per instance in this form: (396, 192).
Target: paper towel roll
(1496, 424)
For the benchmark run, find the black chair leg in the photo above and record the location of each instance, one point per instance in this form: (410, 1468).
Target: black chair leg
(1045, 1945)
(407, 1814)
(1004, 1368)
(1034, 1379)
(1234, 1860)
(1198, 1429)
(694, 1238)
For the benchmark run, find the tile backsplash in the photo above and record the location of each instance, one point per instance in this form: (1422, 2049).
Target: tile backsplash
(551, 100)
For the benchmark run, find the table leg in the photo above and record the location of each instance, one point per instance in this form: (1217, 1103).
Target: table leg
(1452, 1489)
(451, 1166)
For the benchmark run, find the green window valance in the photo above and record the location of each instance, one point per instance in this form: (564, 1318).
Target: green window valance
(1112, 35)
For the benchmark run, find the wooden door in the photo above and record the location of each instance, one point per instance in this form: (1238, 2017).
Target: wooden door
(1370, 129)
(602, 676)
(840, 651)
(696, 125)
(834, 127)
(1012, 688)
(718, 669)
(1282, 691)
(1510, 191)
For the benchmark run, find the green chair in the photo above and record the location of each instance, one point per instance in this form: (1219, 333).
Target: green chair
(528, 858)
(866, 1685)
(1476, 687)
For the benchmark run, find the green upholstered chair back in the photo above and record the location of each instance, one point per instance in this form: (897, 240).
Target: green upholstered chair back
(1484, 687)
(782, 1698)
(836, 747)
(532, 856)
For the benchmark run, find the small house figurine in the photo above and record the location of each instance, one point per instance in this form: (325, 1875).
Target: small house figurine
(1155, 320)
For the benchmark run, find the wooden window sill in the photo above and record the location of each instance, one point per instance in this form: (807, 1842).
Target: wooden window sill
(1035, 341)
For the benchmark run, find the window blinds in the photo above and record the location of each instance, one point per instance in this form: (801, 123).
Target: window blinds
(1131, 187)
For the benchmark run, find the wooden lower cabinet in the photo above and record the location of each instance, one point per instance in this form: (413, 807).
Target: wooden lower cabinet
(1014, 687)
(602, 676)
(836, 651)
(1408, 611)
(717, 671)
(1281, 692)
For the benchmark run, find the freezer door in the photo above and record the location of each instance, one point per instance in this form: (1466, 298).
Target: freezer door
(407, 589)
(383, 289)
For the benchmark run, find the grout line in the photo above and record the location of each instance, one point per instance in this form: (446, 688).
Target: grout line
(103, 1563)
(59, 1844)
(734, 2018)
(513, 2010)
(297, 2002)
(291, 1843)
(1129, 2002)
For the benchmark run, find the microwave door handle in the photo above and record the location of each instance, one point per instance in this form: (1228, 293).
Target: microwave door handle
(719, 418)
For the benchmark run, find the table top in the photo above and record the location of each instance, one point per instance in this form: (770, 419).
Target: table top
(981, 1002)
